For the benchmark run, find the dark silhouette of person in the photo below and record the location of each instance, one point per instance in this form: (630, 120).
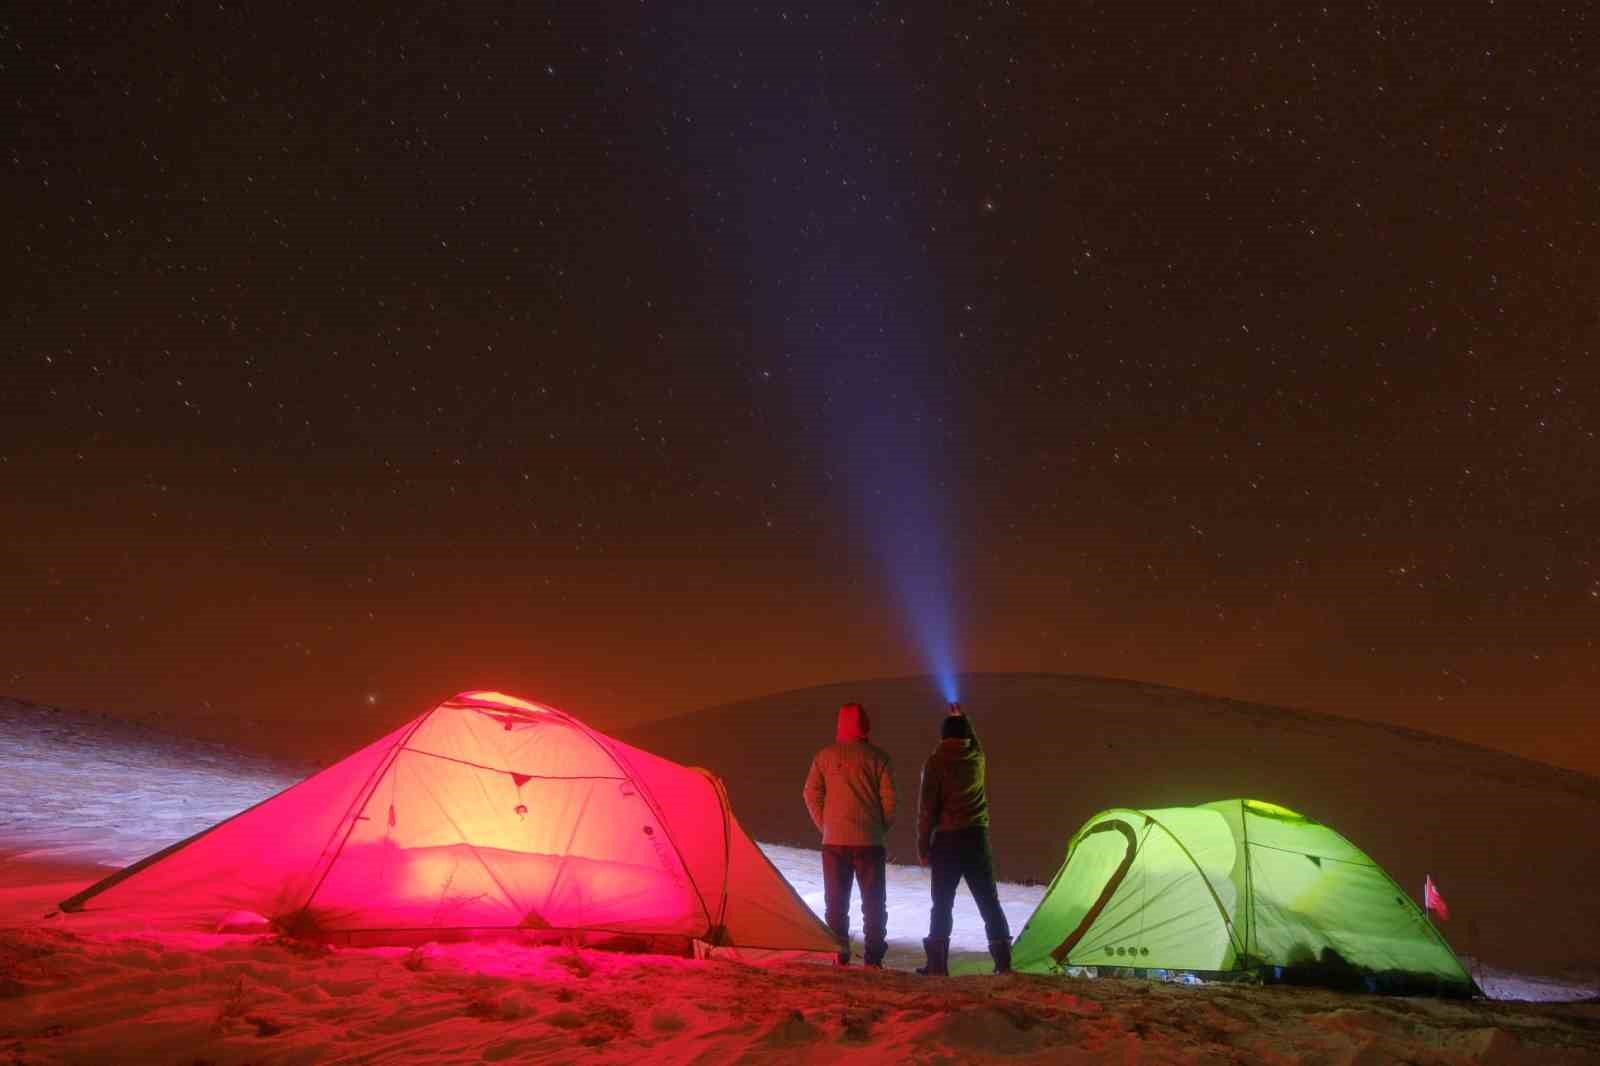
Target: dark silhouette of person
(850, 794)
(953, 839)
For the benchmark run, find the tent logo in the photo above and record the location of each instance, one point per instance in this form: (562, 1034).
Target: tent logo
(663, 855)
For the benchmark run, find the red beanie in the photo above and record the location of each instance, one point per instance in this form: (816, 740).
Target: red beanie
(853, 723)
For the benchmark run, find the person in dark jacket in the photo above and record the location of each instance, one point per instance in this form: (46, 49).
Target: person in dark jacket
(953, 839)
(850, 794)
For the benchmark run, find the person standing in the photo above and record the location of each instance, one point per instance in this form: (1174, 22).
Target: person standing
(953, 839)
(850, 794)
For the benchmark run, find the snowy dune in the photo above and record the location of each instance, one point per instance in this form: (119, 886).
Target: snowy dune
(77, 790)
(1509, 841)
(94, 788)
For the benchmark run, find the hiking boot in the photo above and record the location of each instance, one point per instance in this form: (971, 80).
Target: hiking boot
(842, 959)
(1000, 951)
(938, 949)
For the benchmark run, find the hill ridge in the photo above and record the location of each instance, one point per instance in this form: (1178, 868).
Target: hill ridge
(1277, 711)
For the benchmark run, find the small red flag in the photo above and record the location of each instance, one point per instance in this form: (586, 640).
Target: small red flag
(1433, 901)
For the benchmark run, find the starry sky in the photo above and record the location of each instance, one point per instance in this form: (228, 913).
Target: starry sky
(641, 356)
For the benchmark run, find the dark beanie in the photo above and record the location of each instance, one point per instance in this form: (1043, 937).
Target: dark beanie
(955, 727)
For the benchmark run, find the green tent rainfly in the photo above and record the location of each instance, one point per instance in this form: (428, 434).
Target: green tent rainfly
(1233, 887)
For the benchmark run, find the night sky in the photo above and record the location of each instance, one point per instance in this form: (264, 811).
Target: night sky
(638, 357)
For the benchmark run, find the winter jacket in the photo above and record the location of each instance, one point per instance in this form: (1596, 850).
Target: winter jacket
(953, 792)
(850, 789)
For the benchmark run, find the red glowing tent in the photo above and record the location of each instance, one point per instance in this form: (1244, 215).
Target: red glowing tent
(486, 813)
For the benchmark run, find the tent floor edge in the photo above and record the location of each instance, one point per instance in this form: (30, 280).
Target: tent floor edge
(1399, 983)
(1384, 983)
(674, 944)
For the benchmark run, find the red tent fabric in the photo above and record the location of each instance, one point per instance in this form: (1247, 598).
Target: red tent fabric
(486, 813)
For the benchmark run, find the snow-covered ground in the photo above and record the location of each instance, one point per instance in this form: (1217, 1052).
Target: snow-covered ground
(71, 993)
(84, 787)
(908, 909)
(78, 793)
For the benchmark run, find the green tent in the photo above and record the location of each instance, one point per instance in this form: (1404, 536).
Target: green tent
(1234, 887)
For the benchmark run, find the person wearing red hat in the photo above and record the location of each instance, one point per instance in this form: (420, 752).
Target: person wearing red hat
(850, 794)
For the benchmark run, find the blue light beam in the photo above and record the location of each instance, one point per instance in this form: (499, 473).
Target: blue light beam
(831, 146)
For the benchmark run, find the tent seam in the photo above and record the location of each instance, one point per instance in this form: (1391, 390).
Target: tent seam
(650, 802)
(366, 795)
(1221, 910)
